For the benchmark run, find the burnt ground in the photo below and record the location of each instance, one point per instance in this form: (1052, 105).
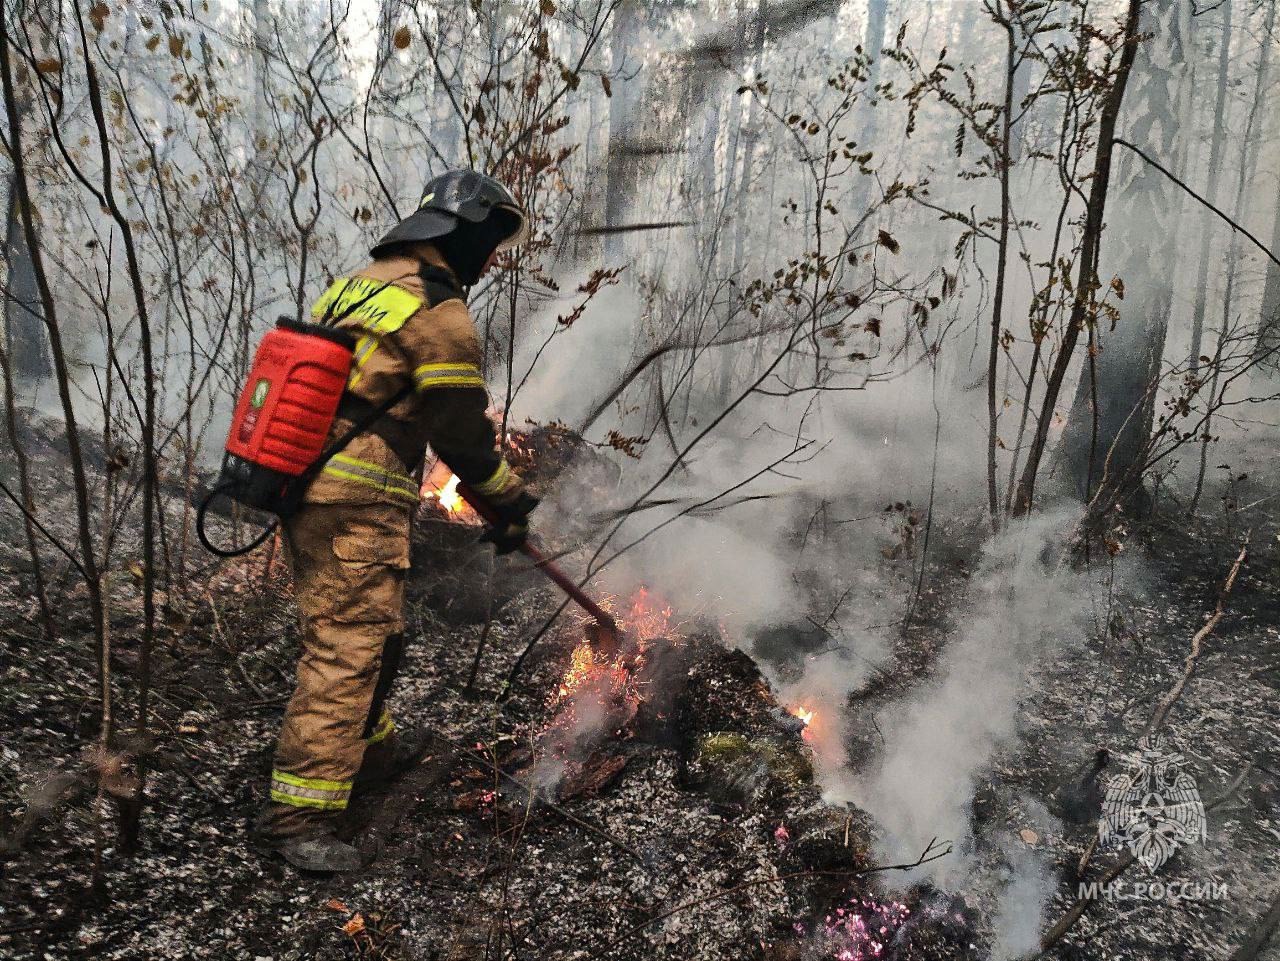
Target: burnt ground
(695, 832)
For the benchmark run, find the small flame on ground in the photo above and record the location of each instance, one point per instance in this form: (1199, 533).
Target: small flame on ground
(646, 618)
(584, 665)
(643, 619)
(441, 485)
(805, 716)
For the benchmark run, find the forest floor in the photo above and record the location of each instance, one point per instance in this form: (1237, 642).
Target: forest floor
(685, 825)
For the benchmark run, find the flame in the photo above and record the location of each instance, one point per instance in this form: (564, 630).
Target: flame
(441, 486)
(646, 618)
(806, 717)
(642, 619)
(449, 497)
(583, 663)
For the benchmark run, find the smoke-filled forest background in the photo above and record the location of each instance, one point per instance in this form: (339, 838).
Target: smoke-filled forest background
(921, 339)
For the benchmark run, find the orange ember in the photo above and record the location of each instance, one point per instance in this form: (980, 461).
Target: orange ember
(642, 619)
(645, 618)
(590, 669)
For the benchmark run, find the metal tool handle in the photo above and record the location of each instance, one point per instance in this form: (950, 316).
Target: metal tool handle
(562, 580)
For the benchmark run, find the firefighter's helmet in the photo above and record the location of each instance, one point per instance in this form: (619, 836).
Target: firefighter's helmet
(462, 202)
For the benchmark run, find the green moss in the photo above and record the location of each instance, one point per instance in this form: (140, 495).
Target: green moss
(734, 767)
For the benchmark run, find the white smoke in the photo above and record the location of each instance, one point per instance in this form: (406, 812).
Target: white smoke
(1024, 606)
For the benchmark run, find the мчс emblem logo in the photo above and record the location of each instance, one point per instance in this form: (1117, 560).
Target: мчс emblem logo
(1154, 807)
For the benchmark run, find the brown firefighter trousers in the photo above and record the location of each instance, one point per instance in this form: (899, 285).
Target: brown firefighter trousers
(348, 566)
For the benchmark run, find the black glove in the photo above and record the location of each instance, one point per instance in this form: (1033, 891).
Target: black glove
(512, 529)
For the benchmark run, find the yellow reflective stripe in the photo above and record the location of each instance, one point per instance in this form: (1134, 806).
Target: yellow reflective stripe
(502, 480)
(384, 728)
(379, 306)
(313, 783)
(309, 792)
(372, 468)
(305, 802)
(381, 485)
(365, 347)
(447, 375)
(371, 475)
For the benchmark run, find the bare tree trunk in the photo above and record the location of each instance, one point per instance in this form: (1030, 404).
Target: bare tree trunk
(86, 558)
(131, 811)
(873, 41)
(28, 500)
(1248, 163)
(620, 165)
(1267, 351)
(1087, 274)
(1003, 162)
(1147, 206)
(259, 124)
(1207, 220)
(25, 340)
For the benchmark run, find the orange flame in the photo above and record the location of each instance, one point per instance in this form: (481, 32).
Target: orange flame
(642, 619)
(441, 485)
(806, 717)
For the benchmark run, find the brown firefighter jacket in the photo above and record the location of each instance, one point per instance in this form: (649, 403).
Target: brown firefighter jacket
(405, 337)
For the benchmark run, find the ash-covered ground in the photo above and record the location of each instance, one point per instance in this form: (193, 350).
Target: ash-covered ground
(669, 813)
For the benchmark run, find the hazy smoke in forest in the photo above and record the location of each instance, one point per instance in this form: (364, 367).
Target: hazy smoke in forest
(1023, 605)
(1019, 918)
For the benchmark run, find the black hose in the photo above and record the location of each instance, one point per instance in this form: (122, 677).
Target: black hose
(208, 545)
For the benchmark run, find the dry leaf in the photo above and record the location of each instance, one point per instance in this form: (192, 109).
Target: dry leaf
(333, 904)
(354, 926)
(1029, 837)
(401, 38)
(48, 65)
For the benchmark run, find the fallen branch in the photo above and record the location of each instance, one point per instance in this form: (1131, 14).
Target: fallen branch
(1197, 642)
(1158, 717)
(550, 805)
(1077, 910)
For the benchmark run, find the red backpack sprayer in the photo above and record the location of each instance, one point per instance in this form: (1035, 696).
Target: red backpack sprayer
(276, 443)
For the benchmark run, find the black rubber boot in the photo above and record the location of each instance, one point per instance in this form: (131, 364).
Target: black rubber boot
(321, 852)
(305, 839)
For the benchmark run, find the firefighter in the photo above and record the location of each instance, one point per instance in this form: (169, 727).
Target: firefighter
(348, 544)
